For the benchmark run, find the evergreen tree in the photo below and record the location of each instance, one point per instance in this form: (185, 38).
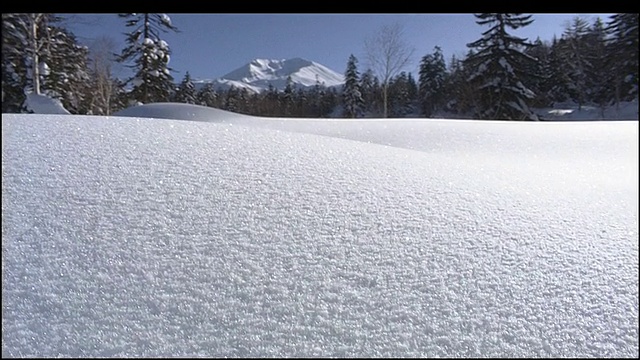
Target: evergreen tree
(43, 58)
(231, 99)
(399, 96)
(207, 96)
(14, 68)
(67, 78)
(186, 92)
(499, 69)
(287, 97)
(576, 59)
(316, 98)
(624, 52)
(369, 90)
(432, 75)
(152, 81)
(351, 95)
(558, 83)
(599, 74)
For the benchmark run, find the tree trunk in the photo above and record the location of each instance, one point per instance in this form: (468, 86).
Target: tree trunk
(33, 18)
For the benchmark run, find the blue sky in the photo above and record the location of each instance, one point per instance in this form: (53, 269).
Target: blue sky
(211, 45)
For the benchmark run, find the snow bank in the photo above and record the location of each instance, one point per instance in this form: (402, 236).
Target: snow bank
(150, 237)
(178, 111)
(42, 104)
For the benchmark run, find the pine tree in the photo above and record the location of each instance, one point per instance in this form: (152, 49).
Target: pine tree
(599, 74)
(287, 97)
(186, 92)
(14, 69)
(624, 52)
(558, 83)
(432, 75)
(43, 58)
(499, 69)
(152, 81)
(351, 96)
(576, 59)
(369, 91)
(400, 102)
(68, 71)
(207, 96)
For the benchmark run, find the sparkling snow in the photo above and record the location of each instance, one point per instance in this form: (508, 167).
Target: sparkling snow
(247, 237)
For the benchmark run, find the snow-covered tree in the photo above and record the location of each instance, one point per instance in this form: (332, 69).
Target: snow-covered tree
(499, 69)
(14, 68)
(67, 77)
(150, 54)
(186, 92)
(432, 76)
(42, 58)
(351, 96)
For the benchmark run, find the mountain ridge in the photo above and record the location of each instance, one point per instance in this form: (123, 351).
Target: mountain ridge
(259, 74)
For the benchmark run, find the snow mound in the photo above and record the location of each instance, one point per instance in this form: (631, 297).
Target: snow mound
(178, 111)
(42, 104)
(129, 237)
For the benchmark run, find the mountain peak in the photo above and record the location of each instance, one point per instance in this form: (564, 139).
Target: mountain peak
(258, 74)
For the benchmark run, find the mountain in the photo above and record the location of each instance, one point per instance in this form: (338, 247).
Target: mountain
(258, 74)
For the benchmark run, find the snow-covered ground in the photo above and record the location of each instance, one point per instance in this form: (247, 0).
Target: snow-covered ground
(241, 236)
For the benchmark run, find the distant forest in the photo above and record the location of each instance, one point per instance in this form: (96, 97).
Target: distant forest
(501, 76)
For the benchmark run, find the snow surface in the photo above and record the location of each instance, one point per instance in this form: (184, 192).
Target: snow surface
(248, 237)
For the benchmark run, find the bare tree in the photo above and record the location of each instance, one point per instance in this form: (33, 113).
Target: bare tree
(102, 59)
(388, 55)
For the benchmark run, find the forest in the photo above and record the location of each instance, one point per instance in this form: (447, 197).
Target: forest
(501, 76)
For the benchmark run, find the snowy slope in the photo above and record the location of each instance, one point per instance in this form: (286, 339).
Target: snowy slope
(258, 74)
(241, 237)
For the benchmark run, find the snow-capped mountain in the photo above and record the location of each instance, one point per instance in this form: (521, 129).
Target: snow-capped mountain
(258, 74)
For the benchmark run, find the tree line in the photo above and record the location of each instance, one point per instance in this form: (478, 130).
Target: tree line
(501, 77)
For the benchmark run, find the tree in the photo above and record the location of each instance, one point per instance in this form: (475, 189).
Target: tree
(40, 57)
(401, 89)
(370, 89)
(575, 58)
(387, 54)
(207, 96)
(351, 95)
(14, 68)
(599, 74)
(186, 92)
(67, 77)
(152, 81)
(287, 97)
(499, 69)
(623, 45)
(102, 96)
(432, 76)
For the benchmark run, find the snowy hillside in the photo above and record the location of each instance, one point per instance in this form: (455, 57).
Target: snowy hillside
(235, 236)
(258, 74)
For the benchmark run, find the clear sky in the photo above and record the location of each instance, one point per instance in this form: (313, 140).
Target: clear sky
(212, 45)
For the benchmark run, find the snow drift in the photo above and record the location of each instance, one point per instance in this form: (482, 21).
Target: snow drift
(131, 237)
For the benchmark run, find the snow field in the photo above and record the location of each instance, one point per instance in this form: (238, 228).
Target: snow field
(150, 237)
